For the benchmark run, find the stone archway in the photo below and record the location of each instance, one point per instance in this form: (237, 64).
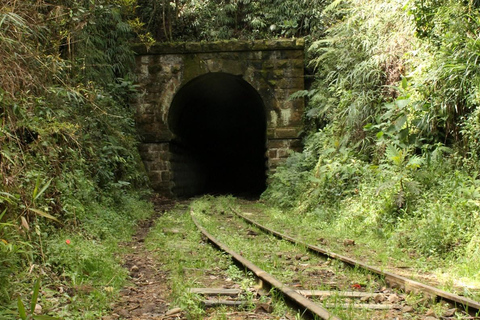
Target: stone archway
(272, 69)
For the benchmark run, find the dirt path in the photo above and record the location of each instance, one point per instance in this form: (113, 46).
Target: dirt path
(146, 296)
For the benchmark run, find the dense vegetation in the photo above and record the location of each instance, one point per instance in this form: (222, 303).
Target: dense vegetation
(226, 19)
(393, 151)
(71, 180)
(392, 145)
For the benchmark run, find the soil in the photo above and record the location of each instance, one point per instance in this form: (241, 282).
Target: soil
(146, 295)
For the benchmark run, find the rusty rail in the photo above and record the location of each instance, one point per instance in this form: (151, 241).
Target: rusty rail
(406, 284)
(299, 300)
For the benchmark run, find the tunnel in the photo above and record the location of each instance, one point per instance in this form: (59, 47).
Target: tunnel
(219, 145)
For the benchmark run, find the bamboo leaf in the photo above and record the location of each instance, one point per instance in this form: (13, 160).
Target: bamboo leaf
(21, 309)
(35, 190)
(7, 157)
(45, 215)
(6, 196)
(43, 189)
(25, 223)
(36, 290)
(404, 83)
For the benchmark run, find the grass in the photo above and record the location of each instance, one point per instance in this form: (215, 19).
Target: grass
(374, 250)
(81, 272)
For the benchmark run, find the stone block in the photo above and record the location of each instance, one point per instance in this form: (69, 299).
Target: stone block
(283, 153)
(300, 42)
(155, 176)
(192, 47)
(165, 48)
(154, 87)
(291, 83)
(278, 74)
(283, 133)
(277, 143)
(282, 44)
(143, 72)
(145, 108)
(291, 54)
(257, 65)
(271, 133)
(285, 117)
(162, 187)
(282, 63)
(155, 68)
(272, 153)
(259, 45)
(254, 56)
(145, 60)
(143, 147)
(287, 105)
(297, 63)
(293, 73)
(268, 65)
(166, 175)
(229, 56)
(147, 157)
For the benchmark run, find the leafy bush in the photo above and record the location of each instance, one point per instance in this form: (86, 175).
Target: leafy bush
(362, 55)
(325, 172)
(394, 147)
(68, 157)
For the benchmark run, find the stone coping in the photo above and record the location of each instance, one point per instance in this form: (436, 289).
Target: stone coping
(220, 46)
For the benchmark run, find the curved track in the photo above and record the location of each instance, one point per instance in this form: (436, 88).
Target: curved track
(300, 301)
(406, 284)
(314, 309)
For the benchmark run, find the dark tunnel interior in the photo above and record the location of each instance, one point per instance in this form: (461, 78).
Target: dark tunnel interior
(219, 124)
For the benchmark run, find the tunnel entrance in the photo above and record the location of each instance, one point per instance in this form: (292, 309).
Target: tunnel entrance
(219, 126)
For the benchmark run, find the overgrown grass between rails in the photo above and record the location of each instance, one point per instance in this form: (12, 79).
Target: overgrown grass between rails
(215, 216)
(178, 245)
(280, 258)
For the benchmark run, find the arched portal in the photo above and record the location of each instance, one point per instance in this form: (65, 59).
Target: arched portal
(219, 145)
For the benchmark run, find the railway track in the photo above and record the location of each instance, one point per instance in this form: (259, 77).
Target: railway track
(322, 284)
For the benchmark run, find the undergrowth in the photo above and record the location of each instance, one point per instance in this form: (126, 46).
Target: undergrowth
(72, 185)
(392, 156)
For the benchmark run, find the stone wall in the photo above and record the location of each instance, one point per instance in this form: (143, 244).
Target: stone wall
(275, 69)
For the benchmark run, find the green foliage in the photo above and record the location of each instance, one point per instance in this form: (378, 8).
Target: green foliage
(445, 73)
(361, 56)
(325, 172)
(225, 19)
(99, 49)
(68, 157)
(22, 312)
